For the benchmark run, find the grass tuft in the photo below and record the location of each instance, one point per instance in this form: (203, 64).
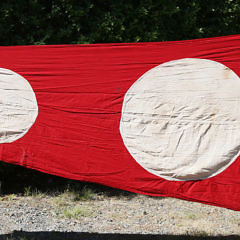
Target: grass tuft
(68, 202)
(86, 194)
(76, 212)
(29, 192)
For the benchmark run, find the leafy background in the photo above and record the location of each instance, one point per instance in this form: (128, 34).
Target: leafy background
(28, 22)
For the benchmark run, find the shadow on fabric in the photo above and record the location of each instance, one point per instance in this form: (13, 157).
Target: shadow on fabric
(20, 235)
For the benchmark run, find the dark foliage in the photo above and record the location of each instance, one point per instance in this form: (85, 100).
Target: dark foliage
(95, 21)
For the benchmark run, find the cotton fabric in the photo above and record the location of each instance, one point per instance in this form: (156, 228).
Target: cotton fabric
(80, 91)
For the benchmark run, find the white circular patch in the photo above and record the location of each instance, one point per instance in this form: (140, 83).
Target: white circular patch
(181, 119)
(18, 106)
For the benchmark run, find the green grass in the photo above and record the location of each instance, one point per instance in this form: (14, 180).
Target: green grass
(86, 194)
(69, 204)
(29, 192)
(77, 212)
(191, 216)
(9, 197)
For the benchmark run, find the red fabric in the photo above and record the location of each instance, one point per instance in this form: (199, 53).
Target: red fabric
(80, 90)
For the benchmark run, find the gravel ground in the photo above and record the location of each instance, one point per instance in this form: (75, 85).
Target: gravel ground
(136, 214)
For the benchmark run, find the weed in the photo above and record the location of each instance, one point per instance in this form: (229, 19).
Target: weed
(11, 197)
(76, 212)
(67, 203)
(179, 225)
(29, 192)
(191, 216)
(65, 198)
(76, 195)
(86, 194)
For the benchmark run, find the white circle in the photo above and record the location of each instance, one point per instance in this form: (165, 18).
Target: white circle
(181, 119)
(18, 106)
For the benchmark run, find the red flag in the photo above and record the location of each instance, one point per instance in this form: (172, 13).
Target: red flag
(153, 118)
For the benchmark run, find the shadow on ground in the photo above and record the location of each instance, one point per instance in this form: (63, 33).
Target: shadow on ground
(20, 235)
(16, 179)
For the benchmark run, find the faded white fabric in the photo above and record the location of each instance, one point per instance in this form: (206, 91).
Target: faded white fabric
(18, 106)
(181, 119)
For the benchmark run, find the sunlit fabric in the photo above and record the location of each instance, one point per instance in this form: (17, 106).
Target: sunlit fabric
(181, 119)
(79, 93)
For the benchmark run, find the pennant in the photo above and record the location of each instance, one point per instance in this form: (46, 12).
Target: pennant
(161, 119)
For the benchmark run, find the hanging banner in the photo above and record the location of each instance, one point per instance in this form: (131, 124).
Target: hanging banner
(161, 119)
